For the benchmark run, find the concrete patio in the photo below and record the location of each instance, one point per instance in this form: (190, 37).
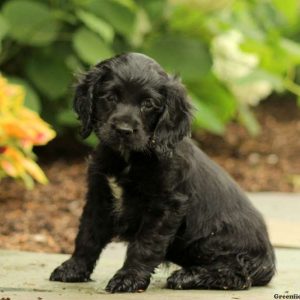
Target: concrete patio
(24, 275)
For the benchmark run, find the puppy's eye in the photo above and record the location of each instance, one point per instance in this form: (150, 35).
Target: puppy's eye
(111, 98)
(146, 104)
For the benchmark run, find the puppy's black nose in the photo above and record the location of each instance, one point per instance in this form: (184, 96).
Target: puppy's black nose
(123, 128)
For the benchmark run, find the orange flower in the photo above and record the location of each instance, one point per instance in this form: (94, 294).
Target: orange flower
(20, 130)
(2, 149)
(11, 162)
(9, 168)
(35, 171)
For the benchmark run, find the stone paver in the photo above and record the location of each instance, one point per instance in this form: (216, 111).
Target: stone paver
(282, 215)
(24, 275)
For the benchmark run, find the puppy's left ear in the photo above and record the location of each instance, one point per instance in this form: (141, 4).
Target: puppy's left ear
(83, 103)
(175, 121)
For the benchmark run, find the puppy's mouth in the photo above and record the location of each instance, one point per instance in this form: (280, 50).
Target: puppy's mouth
(131, 141)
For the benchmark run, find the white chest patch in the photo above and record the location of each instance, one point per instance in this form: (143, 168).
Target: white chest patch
(117, 192)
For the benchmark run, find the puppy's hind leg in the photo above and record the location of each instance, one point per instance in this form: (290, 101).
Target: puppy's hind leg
(216, 276)
(231, 271)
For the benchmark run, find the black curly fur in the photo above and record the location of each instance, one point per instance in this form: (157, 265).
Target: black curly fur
(175, 203)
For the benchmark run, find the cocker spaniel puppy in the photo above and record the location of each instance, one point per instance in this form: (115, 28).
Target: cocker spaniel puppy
(149, 185)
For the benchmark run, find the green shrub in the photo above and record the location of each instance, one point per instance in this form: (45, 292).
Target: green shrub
(230, 54)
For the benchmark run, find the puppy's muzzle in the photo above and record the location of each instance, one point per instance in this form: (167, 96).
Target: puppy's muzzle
(122, 128)
(125, 121)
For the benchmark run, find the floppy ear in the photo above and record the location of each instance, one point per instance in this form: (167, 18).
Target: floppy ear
(175, 121)
(83, 103)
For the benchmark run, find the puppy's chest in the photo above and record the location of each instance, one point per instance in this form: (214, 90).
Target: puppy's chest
(117, 191)
(133, 192)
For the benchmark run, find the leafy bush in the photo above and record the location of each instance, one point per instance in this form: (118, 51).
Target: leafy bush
(20, 130)
(230, 54)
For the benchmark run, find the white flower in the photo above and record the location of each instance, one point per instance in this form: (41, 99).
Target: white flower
(251, 93)
(229, 61)
(231, 64)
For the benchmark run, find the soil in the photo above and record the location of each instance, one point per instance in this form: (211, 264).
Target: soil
(46, 218)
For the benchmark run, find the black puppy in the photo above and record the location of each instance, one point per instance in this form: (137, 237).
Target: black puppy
(149, 185)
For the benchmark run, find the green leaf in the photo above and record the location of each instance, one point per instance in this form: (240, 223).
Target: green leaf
(205, 117)
(65, 16)
(49, 74)
(292, 49)
(130, 4)
(92, 140)
(97, 25)
(3, 27)
(247, 118)
(289, 9)
(186, 56)
(242, 19)
(258, 74)
(266, 16)
(142, 28)
(32, 99)
(28, 181)
(67, 118)
(154, 8)
(30, 22)
(274, 57)
(190, 21)
(89, 47)
(216, 96)
(81, 3)
(121, 17)
(74, 64)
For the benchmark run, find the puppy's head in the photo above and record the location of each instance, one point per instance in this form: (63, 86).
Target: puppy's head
(133, 105)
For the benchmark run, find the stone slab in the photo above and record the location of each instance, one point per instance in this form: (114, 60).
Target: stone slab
(24, 275)
(282, 214)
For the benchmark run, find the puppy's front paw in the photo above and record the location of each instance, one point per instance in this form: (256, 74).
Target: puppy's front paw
(128, 281)
(71, 270)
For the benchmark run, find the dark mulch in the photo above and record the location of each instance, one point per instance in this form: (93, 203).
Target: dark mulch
(268, 162)
(46, 219)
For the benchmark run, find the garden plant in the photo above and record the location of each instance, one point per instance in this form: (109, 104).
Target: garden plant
(20, 130)
(229, 54)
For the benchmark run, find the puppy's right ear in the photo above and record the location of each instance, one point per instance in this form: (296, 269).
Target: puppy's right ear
(83, 103)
